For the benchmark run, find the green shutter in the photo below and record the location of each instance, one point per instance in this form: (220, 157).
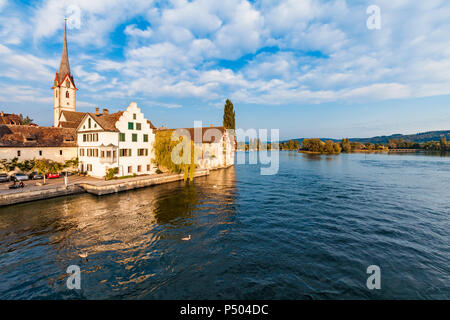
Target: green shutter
(134, 137)
(130, 126)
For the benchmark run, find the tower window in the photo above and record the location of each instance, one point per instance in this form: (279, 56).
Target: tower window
(67, 94)
(40, 152)
(56, 94)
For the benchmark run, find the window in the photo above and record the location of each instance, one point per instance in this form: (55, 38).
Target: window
(145, 137)
(125, 152)
(56, 94)
(130, 169)
(121, 137)
(148, 167)
(89, 167)
(67, 94)
(84, 138)
(134, 116)
(89, 123)
(134, 137)
(102, 154)
(96, 136)
(114, 154)
(18, 153)
(95, 152)
(68, 84)
(108, 154)
(138, 126)
(82, 153)
(139, 168)
(40, 152)
(60, 152)
(130, 126)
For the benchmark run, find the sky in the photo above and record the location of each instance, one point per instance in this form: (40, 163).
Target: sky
(309, 68)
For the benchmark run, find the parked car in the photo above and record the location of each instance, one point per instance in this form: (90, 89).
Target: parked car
(36, 176)
(4, 177)
(52, 175)
(19, 177)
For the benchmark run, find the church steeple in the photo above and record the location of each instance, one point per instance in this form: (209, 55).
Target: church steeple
(64, 84)
(64, 67)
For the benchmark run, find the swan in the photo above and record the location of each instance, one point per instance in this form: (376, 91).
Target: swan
(187, 238)
(83, 255)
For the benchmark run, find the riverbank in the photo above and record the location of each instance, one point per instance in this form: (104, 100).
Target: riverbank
(92, 186)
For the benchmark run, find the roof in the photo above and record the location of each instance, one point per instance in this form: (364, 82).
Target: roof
(73, 119)
(191, 131)
(151, 124)
(10, 118)
(30, 136)
(106, 120)
(64, 67)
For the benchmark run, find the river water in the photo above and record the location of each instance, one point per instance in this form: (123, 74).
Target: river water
(308, 232)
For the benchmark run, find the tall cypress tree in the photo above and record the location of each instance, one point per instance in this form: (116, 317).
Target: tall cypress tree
(229, 121)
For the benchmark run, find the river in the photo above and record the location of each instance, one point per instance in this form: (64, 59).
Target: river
(308, 232)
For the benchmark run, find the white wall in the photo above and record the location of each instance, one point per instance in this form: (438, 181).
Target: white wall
(30, 153)
(99, 166)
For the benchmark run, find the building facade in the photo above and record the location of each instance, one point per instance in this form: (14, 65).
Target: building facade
(122, 140)
(30, 142)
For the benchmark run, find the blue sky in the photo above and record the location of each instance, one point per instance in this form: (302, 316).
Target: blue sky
(309, 68)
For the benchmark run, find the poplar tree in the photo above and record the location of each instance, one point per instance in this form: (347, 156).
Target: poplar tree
(229, 121)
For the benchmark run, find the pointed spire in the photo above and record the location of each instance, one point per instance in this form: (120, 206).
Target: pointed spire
(64, 68)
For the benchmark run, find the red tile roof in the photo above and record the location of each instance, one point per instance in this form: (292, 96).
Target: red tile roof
(30, 136)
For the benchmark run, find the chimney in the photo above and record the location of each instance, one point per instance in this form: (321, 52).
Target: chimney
(97, 111)
(105, 111)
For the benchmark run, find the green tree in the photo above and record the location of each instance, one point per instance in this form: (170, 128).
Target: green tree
(72, 163)
(42, 166)
(163, 147)
(27, 120)
(345, 145)
(229, 120)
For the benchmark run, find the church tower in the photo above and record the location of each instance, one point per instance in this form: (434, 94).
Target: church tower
(64, 88)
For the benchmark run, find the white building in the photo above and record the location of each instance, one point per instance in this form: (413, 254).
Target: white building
(217, 146)
(122, 140)
(30, 142)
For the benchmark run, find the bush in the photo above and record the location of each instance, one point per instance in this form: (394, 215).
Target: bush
(111, 172)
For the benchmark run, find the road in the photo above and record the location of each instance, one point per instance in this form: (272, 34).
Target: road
(34, 184)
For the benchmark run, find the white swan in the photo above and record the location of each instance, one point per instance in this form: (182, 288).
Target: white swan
(187, 238)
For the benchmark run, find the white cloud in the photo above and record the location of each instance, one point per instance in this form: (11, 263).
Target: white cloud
(287, 51)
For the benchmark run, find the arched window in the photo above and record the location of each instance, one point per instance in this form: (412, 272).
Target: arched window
(67, 94)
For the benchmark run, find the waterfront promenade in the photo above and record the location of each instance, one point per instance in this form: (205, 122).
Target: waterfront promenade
(56, 187)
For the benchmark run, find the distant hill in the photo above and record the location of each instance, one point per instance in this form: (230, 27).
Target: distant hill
(418, 137)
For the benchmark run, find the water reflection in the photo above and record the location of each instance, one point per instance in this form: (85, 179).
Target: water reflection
(122, 234)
